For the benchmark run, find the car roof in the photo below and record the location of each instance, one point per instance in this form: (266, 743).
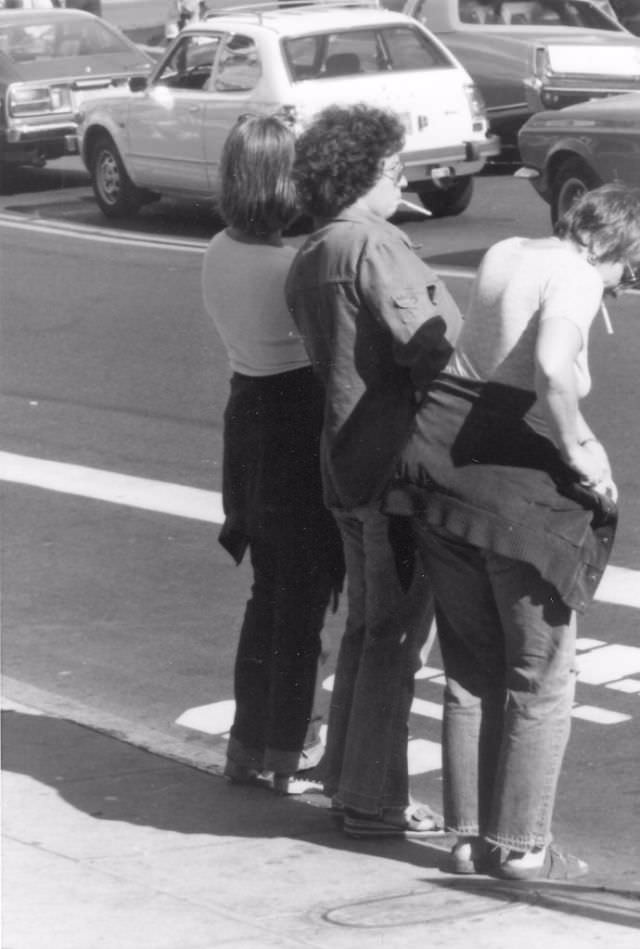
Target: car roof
(303, 19)
(24, 15)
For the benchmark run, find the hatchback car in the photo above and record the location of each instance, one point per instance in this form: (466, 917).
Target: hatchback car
(167, 139)
(528, 55)
(50, 60)
(573, 150)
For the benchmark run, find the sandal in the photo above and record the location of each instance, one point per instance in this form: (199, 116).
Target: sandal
(417, 821)
(557, 865)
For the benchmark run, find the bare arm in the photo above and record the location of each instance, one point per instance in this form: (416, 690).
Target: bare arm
(559, 342)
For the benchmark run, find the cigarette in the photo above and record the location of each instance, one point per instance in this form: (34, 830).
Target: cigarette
(413, 207)
(607, 319)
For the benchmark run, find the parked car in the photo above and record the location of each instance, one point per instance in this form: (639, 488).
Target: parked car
(49, 61)
(573, 150)
(167, 139)
(528, 55)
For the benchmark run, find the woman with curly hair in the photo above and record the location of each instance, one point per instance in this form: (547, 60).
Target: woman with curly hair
(378, 325)
(515, 515)
(271, 487)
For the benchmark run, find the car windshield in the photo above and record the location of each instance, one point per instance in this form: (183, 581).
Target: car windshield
(533, 13)
(60, 37)
(358, 52)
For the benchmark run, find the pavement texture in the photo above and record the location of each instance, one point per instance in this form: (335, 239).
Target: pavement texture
(106, 845)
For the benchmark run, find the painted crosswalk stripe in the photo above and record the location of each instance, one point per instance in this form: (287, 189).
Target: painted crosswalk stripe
(608, 663)
(424, 756)
(619, 585)
(629, 686)
(600, 716)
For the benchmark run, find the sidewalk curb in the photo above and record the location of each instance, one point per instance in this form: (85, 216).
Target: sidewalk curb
(187, 748)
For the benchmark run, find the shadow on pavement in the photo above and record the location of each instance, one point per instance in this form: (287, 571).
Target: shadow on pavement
(111, 780)
(589, 902)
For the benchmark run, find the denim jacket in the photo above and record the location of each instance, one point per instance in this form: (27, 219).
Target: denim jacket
(378, 325)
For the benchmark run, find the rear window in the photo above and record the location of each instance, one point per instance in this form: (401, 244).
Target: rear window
(530, 13)
(356, 52)
(59, 38)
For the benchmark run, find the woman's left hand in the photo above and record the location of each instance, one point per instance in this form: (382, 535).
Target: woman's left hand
(603, 482)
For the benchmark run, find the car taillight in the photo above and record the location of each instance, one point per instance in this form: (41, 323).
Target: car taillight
(477, 107)
(23, 100)
(541, 67)
(476, 101)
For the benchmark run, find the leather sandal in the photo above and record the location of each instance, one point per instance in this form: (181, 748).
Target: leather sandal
(557, 865)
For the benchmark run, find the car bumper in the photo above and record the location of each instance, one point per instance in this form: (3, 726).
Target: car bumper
(23, 142)
(436, 164)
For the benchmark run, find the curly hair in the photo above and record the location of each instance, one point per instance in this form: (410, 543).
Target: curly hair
(607, 222)
(338, 157)
(257, 194)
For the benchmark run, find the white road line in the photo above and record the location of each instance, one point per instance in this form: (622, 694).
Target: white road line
(599, 716)
(100, 235)
(619, 584)
(608, 664)
(160, 496)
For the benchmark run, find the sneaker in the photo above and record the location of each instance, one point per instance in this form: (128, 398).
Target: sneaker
(555, 865)
(416, 821)
(291, 784)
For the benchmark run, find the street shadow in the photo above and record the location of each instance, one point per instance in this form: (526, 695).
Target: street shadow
(111, 780)
(29, 180)
(599, 903)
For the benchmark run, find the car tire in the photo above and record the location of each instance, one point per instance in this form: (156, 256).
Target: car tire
(114, 191)
(452, 198)
(570, 180)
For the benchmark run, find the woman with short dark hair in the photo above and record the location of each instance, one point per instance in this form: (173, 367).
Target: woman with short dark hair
(515, 512)
(338, 158)
(271, 484)
(378, 325)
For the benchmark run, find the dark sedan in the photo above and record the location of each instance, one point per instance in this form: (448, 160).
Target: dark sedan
(49, 61)
(527, 55)
(570, 151)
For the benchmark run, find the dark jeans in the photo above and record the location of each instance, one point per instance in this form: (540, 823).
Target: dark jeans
(277, 658)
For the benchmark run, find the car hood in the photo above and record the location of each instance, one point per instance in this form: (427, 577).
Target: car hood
(65, 67)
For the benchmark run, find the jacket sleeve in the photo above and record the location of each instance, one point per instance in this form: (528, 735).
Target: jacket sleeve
(407, 297)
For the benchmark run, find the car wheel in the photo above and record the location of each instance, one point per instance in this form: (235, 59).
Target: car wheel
(451, 199)
(570, 180)
(114, 191)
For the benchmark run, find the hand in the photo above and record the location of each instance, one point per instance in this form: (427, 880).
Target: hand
(591, 462)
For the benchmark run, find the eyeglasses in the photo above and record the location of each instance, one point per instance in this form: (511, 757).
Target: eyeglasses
(394, 173)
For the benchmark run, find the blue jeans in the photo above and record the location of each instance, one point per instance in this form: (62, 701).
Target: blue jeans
(508, 647)
(365, 764)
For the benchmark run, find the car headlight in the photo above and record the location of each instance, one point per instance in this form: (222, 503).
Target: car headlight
(25, 100)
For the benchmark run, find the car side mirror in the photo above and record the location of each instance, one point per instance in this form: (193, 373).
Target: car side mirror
(138, 83)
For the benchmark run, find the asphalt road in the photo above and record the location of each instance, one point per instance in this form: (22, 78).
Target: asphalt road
(119, 608)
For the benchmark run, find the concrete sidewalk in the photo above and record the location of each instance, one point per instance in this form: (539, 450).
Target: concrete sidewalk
(107, 846)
